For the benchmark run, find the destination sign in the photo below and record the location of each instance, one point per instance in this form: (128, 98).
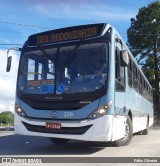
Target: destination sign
(65, 34)
(34, 83)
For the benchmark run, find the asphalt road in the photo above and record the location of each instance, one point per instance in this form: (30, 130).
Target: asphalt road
(17, 145)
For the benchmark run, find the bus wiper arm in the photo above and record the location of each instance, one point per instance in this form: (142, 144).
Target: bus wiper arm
(74, 53)
(45, 53)
(71, 57)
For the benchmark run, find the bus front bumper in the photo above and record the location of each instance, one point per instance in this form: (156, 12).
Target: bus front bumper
(99, 129)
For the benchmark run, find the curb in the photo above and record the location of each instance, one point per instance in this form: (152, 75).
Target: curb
(6, 128)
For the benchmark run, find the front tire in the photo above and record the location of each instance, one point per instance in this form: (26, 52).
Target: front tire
(128, 134)
(59, 140)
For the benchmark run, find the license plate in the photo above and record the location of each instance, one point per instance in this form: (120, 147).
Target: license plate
(50, 125)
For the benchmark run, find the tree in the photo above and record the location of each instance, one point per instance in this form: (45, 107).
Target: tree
(6, 117)
(144, 42)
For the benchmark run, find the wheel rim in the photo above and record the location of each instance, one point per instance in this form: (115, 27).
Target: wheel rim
(127, 130)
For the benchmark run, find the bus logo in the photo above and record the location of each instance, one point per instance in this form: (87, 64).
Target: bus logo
(54, 115)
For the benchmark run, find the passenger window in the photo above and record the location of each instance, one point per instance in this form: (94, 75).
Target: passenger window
(51, 72)
(135, 77)
(119, 70)
(31, 69)
(130, 73)
(40, 76)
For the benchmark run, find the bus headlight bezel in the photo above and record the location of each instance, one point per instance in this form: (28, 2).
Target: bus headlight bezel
(101, 111)
(19, 111)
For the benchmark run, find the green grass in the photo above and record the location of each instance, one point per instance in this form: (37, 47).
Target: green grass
(5, 125)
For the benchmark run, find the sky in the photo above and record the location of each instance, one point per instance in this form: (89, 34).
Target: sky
(21, 18)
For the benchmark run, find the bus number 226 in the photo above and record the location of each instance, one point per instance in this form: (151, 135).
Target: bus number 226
(68, 114)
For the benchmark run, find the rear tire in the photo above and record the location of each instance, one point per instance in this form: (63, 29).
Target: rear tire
(59, 140)
(146, 131)
(128, 134)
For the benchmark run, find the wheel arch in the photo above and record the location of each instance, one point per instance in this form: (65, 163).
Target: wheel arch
(130, 115)
(148, 119)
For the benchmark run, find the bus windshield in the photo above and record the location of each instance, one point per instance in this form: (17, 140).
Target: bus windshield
(64, 70)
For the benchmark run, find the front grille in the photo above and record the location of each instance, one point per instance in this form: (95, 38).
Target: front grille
(54, 105)
(63, 130)
(69, 102)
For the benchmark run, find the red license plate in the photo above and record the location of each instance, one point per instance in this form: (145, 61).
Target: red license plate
(50, 125)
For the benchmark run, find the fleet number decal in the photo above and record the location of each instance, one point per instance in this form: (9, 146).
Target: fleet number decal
(68, 114)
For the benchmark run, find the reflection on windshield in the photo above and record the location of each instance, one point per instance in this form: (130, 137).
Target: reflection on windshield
(85, 72)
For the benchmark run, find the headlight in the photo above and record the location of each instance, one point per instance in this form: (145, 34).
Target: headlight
(101, 111)
(19, 111)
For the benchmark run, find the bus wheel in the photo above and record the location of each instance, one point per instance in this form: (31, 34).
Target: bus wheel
(59, 140)
(146, 131)
(128, 134)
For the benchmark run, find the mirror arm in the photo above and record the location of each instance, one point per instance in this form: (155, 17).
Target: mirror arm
(9, 58)
(16, 49)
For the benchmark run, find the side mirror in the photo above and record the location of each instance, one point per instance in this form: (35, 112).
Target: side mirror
(124, 58)
(9, 58)
(9, 61)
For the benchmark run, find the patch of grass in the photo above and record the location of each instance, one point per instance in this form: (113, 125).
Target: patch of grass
(5, 125)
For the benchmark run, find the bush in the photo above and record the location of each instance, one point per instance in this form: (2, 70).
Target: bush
(7, 117)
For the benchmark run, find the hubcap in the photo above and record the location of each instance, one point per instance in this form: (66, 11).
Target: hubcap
(126, 130)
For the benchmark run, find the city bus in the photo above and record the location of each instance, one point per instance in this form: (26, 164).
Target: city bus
(81, 83)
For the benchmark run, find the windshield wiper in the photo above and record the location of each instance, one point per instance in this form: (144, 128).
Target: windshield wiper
(72, 56)
(74, 53)
(45, 53)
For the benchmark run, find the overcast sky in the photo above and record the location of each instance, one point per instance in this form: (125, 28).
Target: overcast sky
(21, 18)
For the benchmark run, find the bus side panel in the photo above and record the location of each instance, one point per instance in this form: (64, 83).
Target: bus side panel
(141, 109)
(118, 131)
(139, 123)
(103, 129)
(146, 108)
